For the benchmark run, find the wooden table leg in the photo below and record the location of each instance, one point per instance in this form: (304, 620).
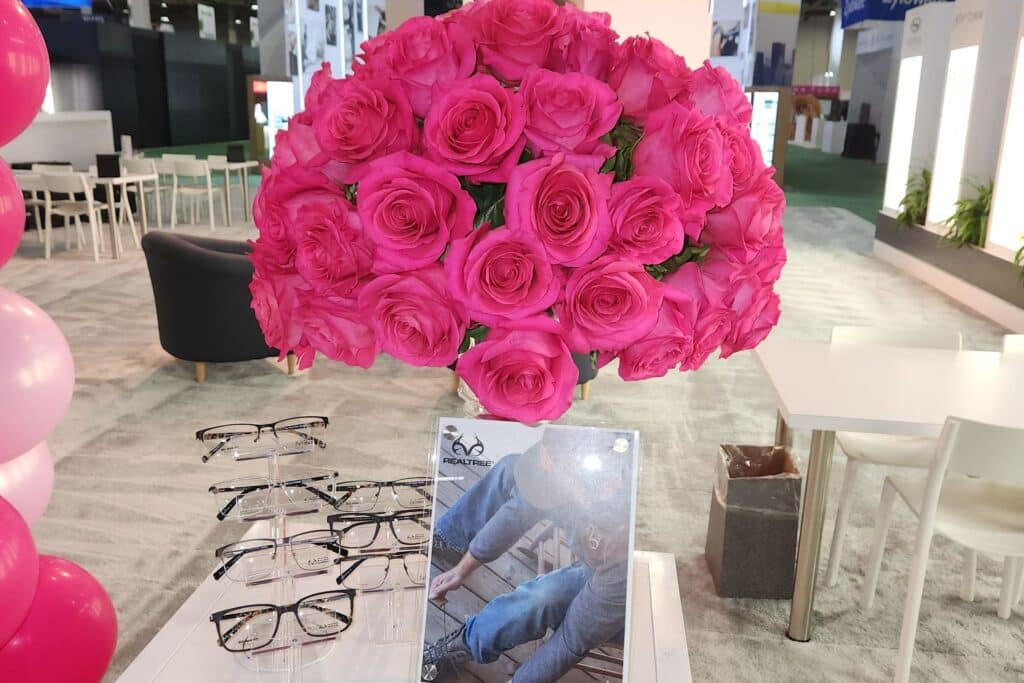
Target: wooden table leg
(812, 522)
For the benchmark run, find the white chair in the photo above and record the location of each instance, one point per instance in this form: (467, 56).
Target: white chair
(35, 200)
(198, 181)
(973, 495)
(878, 449)
(165, 167)
(71, 184)
(1013, 344)
(146, 188)
(219, 162)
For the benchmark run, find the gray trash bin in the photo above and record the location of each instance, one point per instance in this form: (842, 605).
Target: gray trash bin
(754, 521)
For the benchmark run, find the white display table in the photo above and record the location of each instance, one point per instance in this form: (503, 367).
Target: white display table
(186, 648)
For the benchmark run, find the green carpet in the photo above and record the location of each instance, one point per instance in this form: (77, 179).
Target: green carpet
(814, 178)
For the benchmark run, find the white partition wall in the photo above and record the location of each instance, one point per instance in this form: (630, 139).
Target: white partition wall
(982, 45)
(1006, 221)
(923, 59)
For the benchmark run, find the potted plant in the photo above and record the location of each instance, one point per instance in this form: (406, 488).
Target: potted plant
(969, 223)
(914, 204)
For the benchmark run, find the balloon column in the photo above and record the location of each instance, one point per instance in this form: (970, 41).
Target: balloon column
(48, 602)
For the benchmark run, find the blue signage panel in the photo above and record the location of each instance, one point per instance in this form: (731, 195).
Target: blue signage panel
(856, 11)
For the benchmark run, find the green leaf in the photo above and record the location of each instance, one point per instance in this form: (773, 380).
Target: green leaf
(624, 137)
(969, 222)
(490, 203)
(691, 252)
(914, 204)
(474, 335)
(350, 192)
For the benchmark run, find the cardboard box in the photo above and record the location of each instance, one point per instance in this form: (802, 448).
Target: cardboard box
(754, 522)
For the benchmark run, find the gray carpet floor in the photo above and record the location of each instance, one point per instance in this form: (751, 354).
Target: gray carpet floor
(130, 501)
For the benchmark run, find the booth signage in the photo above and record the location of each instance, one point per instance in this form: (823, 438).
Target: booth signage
(857, 11)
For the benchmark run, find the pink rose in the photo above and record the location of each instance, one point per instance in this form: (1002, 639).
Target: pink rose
(500, 275)
(700, 302)
(663, 348)
(334, 327)
(746, 164)
(362, 120)
(514, 34)
(753, 323)
(645, 213)
(563, 205)
(419, 53)
(279, 195)
(686, 149)
(275, 297)
(589, 45)
(740, 229)
(522, 371)
(647, 76)
(331, 253)
(475, 129)
(411, 209)
(568, 112)
(414, 318)
(716, 93)
(609, 305)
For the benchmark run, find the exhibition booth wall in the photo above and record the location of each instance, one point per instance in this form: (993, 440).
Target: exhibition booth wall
(160, 88)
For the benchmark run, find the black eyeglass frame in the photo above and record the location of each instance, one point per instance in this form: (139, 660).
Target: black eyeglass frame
(275, 543)
(361, 518)
(402, 553)
(260, 609)
(202, 434)
(303, 482)
(356, 484)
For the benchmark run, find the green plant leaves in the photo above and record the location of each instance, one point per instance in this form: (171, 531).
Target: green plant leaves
(490, 203)
(969, 223)
(914, 204)
(691, 252)
(625, 137)
(474, 335)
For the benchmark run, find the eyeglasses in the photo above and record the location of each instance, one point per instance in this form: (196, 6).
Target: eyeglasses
(254, 498)
(369, 572)
(361, 529)
(252, 627)
(242, 441)
(255, 560)
(363, 496)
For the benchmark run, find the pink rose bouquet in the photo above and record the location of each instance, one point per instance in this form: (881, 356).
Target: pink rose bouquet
(508, 186)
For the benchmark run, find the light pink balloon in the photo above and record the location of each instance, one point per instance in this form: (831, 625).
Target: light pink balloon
(24, 69)
(12, 214)
(37, 374)
(27, 481)
(19, 570)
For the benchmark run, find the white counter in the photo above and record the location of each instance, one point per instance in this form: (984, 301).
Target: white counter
(75, 136)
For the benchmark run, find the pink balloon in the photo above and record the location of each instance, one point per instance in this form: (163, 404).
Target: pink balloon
(27, 481)
(12, 214)
(24, 69)
(69, 633)
(19, 570)
(37, 374)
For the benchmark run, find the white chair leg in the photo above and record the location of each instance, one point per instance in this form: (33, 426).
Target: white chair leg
(174, 206)
(48, 239)
(225, 207)
(1020, 581)
(79, 235)
(835, 554)
(970, 572)
(67, 233)
(209, 207)
(96, 234)
(131, 219)
(1009, 587)
(38, 218)
(159, 213)
(882, 521)
(912, 606)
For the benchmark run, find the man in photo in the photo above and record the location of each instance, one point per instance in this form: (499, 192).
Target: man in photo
(580, 481)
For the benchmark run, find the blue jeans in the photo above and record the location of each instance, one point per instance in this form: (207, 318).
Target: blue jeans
(526, 613)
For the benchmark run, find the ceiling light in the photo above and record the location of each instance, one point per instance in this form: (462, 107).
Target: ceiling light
(163, 5)
(165, 20)
(832, 13)
(254, 8)
(238, 21)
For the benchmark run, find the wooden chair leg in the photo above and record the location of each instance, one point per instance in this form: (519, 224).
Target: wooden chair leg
(292, 362)
(585, 391)
(201, 372)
